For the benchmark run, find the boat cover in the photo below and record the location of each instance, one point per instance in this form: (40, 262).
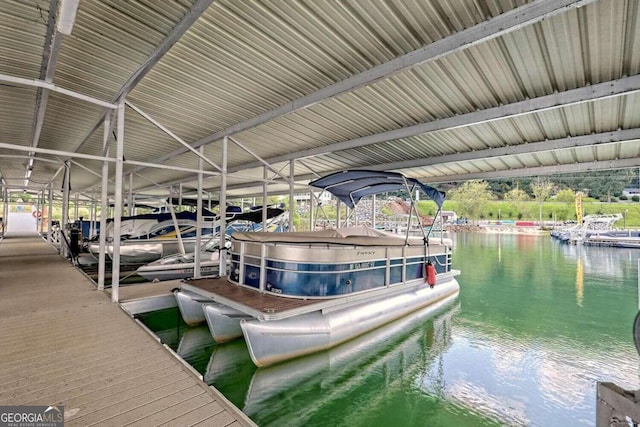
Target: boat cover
(352, 185)
(359, 236)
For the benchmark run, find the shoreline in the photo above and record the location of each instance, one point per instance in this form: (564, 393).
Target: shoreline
(498, 229)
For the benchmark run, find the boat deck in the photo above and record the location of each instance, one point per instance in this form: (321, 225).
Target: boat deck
(63, 342)
(219, 289)
(267, 306)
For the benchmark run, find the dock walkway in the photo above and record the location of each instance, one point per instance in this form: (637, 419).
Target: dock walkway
(62, 342)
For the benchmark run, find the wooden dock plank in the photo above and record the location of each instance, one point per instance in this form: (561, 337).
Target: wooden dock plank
(93, 398)
(119, 410)
(131, 358)
(220, 419)
(169, 413)
(195, 416)
(64, 343)
(76, 359)
(46, 389)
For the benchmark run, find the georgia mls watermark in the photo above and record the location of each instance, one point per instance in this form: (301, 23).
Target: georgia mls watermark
(31, 416)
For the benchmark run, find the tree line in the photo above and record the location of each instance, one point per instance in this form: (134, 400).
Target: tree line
(473, 196)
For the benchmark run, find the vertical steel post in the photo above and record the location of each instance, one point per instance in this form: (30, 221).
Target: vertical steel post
(223, 208)
(92, 215)
(117, 215)
(104, 203)
(5, 204)
(265, 175)
(373, 211)
(40, 208)
(50, 215)
(312, 201)
(64, 249)
(196, 258)
(130, 202)
(292, 202)
(75, 207)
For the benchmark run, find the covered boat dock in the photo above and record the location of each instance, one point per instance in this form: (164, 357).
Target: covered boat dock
(64, 343)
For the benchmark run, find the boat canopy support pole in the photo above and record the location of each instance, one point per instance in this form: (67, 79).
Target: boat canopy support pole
(130, 202)
(93, 216)
(197, 252)
(50, 216)
(39, 208)
(76, 208)
(292, 202)
(263, 267)
(43, 207)
(387, 269)
(176, 226)
(265, 175)
(222, 269)
(104, 202)
(374, 203)
(64, 221)
(312, 211)
(117, 215)
(5, 206)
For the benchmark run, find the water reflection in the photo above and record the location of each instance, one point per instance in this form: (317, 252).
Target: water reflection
(524, 344)
(580, 282)
(379, 370)
(397, 351)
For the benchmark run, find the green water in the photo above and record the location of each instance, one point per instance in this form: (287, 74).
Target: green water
(535, 326)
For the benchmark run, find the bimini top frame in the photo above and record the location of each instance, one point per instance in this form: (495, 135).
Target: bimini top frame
(352, 185)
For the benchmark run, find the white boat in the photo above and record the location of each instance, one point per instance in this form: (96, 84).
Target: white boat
(296, 293)
(148, 237)
(181, 266)
(592, 225)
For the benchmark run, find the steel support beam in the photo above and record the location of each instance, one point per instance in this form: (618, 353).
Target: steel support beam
(593, 139)
(624, 86)
(198, 252)
(292, 201)
(222, 269)
(200, 153)
(507, 22)
(104, 204)
(541, 170)
(512, 150)
(50, 86)
(117, 210)
(52, 43)
(171, 39)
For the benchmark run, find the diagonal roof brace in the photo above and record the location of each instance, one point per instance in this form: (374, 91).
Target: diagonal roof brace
(507, 22)
(189, 18)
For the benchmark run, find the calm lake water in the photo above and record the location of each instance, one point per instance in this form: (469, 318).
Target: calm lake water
(535, 326)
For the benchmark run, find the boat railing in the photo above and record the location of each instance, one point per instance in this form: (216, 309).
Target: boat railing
(393, 258)
(447, 263)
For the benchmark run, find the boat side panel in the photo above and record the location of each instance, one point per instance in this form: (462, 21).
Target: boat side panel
(323, 279)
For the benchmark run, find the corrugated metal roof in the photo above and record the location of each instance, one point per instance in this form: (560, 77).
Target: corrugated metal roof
(277, 77)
